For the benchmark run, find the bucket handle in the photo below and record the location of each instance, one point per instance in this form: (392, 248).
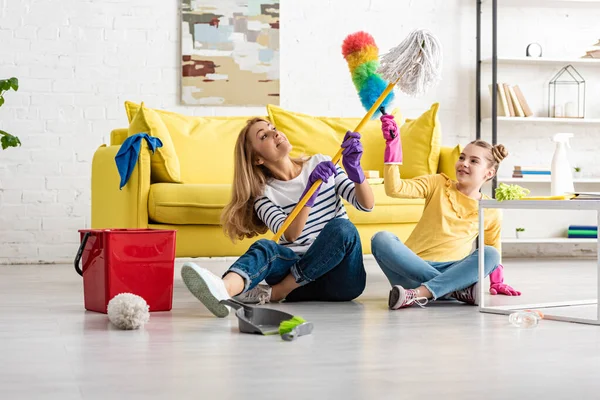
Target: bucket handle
(80, 252)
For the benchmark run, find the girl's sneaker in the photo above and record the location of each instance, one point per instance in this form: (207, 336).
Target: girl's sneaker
(400, 298)
(207, 287)
(468, 295)
(260, 294)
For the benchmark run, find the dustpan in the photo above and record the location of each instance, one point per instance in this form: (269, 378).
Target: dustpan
(265, 321)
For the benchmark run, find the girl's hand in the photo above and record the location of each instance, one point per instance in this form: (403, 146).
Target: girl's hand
(393, 144)
(389, 127)
(352, 153)
(323, 171)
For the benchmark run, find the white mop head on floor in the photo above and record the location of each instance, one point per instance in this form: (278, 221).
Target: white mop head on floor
(416, 63)
(128, 311)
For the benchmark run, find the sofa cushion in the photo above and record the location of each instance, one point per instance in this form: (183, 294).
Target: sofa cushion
(165, 162)
(448, 158)
(311, 134)
(204, 145)
(421, 142)
(387, 210)
(185, 204)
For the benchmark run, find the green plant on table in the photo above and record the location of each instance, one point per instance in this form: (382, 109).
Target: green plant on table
(510, 192)
(520, 229)
(6, 139)
(577, 169)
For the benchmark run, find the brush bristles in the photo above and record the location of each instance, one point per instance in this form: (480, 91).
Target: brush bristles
(415, 64)
(289, 325)
(362, 55)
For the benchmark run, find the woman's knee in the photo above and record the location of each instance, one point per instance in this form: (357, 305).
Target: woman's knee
(342, 226)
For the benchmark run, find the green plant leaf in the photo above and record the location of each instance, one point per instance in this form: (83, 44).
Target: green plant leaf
(510, 192)
(1, 100)
(14, 83)
(8, 140)
(4, 84)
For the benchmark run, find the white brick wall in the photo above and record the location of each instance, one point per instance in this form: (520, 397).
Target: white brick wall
(78, 61)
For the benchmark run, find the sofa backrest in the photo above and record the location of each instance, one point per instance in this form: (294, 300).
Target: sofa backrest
(205, 145)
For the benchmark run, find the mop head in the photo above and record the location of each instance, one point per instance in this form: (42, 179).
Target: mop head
(362, 55)
(290, 324)
(128, 311)
(415, 64)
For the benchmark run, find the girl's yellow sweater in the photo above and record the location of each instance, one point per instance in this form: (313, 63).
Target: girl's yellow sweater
(449, 225)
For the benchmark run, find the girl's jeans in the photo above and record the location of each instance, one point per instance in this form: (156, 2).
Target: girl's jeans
(331, 270)
(403, 267)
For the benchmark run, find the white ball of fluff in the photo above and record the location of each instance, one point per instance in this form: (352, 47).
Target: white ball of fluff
(128, 311)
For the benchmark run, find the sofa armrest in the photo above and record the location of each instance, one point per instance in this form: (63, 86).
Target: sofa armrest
(114, 208)
(448, 158)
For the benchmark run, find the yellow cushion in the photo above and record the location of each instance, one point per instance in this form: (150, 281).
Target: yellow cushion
(311, 135)
(448, 158)
(421, 142)
(165, 163)
(204, 145)
(178, 204)
(387, 210)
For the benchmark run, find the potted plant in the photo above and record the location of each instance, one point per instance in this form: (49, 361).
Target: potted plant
(577, 173)
(6, 139)
(519, 230)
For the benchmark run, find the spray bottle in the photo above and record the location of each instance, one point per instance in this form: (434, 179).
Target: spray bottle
(562, 176)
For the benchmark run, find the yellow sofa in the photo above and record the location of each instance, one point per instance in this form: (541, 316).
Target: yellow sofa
(191, 195)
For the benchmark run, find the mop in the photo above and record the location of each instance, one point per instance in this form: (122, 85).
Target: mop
(412, 67)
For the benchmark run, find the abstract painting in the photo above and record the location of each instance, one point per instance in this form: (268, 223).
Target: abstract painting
(230, 52)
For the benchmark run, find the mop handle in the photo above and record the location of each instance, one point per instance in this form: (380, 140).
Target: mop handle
(335, 160)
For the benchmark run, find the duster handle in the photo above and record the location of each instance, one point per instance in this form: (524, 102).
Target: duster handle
(335, 160)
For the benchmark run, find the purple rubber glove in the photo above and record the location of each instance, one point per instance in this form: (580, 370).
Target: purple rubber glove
(352, 153)
(323, 171)
(393, 144)
(497, 285)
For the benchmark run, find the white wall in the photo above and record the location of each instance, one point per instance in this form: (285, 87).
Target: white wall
(78, 61)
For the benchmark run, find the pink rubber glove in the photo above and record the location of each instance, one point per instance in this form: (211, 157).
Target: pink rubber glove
(393, 145)
(497, 285)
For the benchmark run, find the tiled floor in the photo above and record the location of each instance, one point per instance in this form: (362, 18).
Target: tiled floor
(51, 348)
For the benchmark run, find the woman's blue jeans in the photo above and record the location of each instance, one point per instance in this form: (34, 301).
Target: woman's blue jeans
(331, 270)
(403, 267)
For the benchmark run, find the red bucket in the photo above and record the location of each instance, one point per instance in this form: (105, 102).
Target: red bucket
(138, 261)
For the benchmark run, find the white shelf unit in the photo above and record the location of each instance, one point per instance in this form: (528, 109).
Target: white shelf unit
(545, 120)
(558, 240)
(543, 180)
(544, 61)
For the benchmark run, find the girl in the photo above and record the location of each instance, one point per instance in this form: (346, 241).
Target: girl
(436, 260)
(319, 256)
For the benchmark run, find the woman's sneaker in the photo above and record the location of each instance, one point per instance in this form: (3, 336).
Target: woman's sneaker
(468, 295)
(207, 287)
(260, 294)
(400, 298)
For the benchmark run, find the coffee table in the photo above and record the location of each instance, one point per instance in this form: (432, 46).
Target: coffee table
(593, 205)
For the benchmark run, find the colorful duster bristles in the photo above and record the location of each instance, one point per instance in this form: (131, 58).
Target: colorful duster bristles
(362, 55)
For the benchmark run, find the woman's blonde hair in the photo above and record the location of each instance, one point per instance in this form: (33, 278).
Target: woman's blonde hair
(239, 219)
(495, 155)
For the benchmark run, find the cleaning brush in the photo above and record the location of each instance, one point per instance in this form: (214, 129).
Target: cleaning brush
(362, 55)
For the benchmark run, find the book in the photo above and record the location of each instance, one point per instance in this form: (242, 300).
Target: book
(526, 109)
(500, 109)
(583, 227)
(504, 101)
(511, 107)
(518, 109)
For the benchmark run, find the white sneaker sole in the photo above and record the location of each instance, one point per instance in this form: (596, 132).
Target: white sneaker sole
(195, 279)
